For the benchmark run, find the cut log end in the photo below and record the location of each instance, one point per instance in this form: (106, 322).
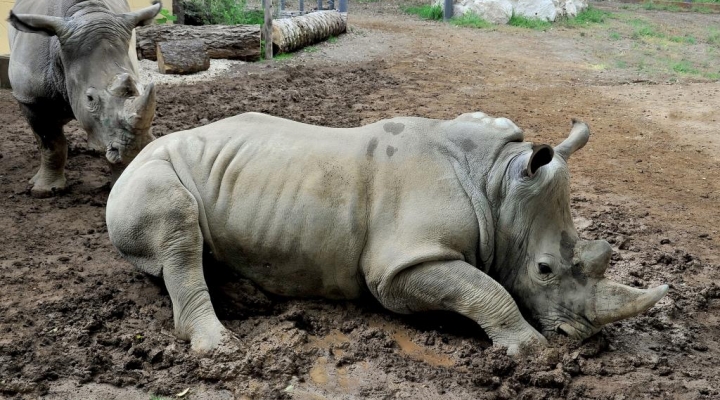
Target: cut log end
(181, 57)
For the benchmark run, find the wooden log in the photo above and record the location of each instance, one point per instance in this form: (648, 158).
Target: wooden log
(235, 42)
(267, 29)
(181, 57)
(291, 34)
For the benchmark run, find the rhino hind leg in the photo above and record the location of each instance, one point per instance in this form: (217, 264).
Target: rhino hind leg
(460, 287)
(153, 221)
(50, 178)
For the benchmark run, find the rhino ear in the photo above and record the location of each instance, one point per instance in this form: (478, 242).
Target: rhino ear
(144, 16)
(542, 155)
(42, 24)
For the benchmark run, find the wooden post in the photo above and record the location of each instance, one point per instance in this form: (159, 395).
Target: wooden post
(319, 5)
(343, 6)
(302, 7)
(267, 30)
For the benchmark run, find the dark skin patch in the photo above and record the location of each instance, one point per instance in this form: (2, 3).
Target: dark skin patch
(390, 151)
(468, 145)
(567, 251)
(394, 127)
(371, 148)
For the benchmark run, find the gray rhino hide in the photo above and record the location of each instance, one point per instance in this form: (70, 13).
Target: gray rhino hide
(410, 209)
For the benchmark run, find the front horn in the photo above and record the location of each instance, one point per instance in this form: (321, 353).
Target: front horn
(614, 301)
(141, 110)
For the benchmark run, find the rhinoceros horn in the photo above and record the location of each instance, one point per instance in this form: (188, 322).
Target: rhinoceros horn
(577, 139)
(139, 111)
(615, 301)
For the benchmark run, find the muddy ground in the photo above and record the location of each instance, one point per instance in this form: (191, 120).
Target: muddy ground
(76, 321)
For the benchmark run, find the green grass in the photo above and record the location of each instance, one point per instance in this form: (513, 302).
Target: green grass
(587, 17)
(471, 20)
(426, 12)
(282, 56)
(713, 36)
(615, 36)
(621, 64)
(683, 39)
(311, 49)
(684, 67)
(644, 29)
(529, 23)
(332, 39)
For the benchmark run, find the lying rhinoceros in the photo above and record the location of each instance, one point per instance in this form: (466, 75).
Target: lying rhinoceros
(76, 59)
(457, 215)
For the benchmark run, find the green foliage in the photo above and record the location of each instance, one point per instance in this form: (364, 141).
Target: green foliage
(615, 36)
(332, 39)
(311, 49)
(714, 36)
(282, 56)
(644, 29)
(470, 20)
(221, 12)
(165, 17)
(529, 23)
(683, 39)
(586, 17)
(684, 67)
(426, 12)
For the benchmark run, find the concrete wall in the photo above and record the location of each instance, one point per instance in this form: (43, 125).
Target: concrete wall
(6, 6)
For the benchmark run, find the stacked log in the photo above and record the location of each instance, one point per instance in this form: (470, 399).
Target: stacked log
(290, 34)
(182, 57)
(234, 42)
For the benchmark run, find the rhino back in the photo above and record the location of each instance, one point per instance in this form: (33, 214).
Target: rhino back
(293, 206)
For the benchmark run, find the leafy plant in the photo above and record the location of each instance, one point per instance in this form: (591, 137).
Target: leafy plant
(221, 12)
(684, 67)
(426, 12)
(615, 36)
(332, 39)
(165, 17)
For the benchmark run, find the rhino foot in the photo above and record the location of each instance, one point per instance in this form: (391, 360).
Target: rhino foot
(527, 338)
(214, 341)
(45, 186)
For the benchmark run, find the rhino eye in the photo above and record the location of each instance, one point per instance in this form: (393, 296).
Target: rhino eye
(544, 268)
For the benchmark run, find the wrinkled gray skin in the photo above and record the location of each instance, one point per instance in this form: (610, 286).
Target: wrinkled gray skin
(457, 215)
(74, 59)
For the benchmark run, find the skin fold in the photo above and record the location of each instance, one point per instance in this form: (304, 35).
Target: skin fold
(459, 215)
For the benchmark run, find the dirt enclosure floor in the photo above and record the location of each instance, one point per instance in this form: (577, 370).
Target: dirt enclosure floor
(78, 322)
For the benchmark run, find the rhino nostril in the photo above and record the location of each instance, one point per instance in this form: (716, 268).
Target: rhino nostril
(561, 331)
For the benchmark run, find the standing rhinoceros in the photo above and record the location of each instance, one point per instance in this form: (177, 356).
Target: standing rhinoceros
(457, 215)
(76, 59)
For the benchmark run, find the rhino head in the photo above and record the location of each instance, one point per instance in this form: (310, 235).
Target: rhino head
(556, 278)
(99, 76)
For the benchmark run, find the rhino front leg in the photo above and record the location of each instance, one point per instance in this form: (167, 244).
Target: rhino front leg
(153, 221)
(460, 287)
(50, 178)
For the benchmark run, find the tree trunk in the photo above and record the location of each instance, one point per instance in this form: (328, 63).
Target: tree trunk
(182, 57)
(236, 42)
(291, 34)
